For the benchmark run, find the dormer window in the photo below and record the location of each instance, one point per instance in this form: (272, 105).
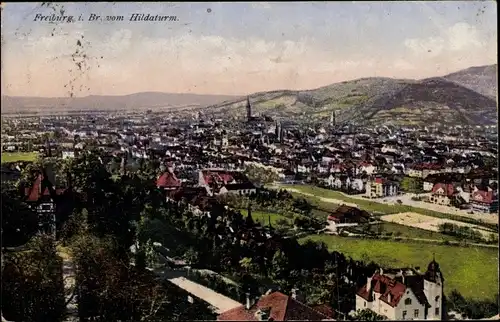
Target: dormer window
(408, 301)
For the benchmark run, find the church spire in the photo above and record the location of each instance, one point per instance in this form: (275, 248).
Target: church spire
(249, 109)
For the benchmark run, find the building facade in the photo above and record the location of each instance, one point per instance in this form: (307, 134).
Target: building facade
(404, 294)
(380, 188)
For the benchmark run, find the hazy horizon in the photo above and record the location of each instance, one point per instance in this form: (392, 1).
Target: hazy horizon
(240, 48)
(222, 94)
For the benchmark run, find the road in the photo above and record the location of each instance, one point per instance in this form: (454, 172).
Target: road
(406, 200)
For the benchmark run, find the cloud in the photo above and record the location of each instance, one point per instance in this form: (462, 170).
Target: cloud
(458, 46)
(459, 37)
(134, 62)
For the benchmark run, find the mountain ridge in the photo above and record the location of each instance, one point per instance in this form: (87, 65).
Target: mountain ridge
(379, 100)
(462, 97)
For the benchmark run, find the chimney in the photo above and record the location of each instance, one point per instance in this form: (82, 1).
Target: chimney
(248, 304)
(389, 297)
(296, 295)
(381, 271)
(369, 284)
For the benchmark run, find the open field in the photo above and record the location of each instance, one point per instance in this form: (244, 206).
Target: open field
(377, 207)
(398, 230)
(472, 271)
(429, 223)
(18, 156)
(263, 217)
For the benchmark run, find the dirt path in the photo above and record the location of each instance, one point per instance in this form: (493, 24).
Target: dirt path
(69, 285)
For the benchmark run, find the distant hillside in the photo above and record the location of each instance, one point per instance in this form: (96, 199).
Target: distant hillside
(375, 101)
(482, 79)
(126, 102)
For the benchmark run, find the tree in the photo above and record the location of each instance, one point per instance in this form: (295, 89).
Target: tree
(280, 266)
(114, 290)
(368, 315)
(247, 264)
(19, 222)
(192, 256)
(32, 284)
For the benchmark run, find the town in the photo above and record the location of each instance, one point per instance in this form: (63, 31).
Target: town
(249, 161)
(279, 211)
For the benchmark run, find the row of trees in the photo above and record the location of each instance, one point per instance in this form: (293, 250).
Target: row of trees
(473, 309)
(465, 232)
(274, 201)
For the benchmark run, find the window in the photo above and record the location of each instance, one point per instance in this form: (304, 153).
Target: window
(408, 302)
(415, 314)
(437, 298)
(365, 303)
(436, 311)
(404, 314)
(46, 206)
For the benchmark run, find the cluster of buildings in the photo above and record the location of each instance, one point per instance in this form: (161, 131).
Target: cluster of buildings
(203, 157)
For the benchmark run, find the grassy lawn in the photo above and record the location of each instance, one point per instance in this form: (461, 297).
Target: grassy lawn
(410, 232)
(263, 217)
(372, 206)
(18, 156)
(472, 271)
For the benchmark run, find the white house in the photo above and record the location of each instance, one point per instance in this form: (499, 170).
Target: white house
(366, 167)
(404, 294)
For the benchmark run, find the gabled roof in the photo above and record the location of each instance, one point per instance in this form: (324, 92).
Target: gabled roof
(391, 290)
(444, 189)
(481, 196)
(282, 308)
(41, 187)
(353, 214)
(168, 179)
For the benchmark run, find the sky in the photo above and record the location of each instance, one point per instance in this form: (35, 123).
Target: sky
(238, 48)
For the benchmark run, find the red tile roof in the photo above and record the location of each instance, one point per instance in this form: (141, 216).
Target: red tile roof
(447, 189)
(41, 187)
(384, 286)
(283, 308)
(391, 290)
(485, 197)
(212, 176)
(349, 214)
(168, 180)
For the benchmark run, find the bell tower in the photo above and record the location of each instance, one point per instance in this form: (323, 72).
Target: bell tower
(249, 109)
(433, 289)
